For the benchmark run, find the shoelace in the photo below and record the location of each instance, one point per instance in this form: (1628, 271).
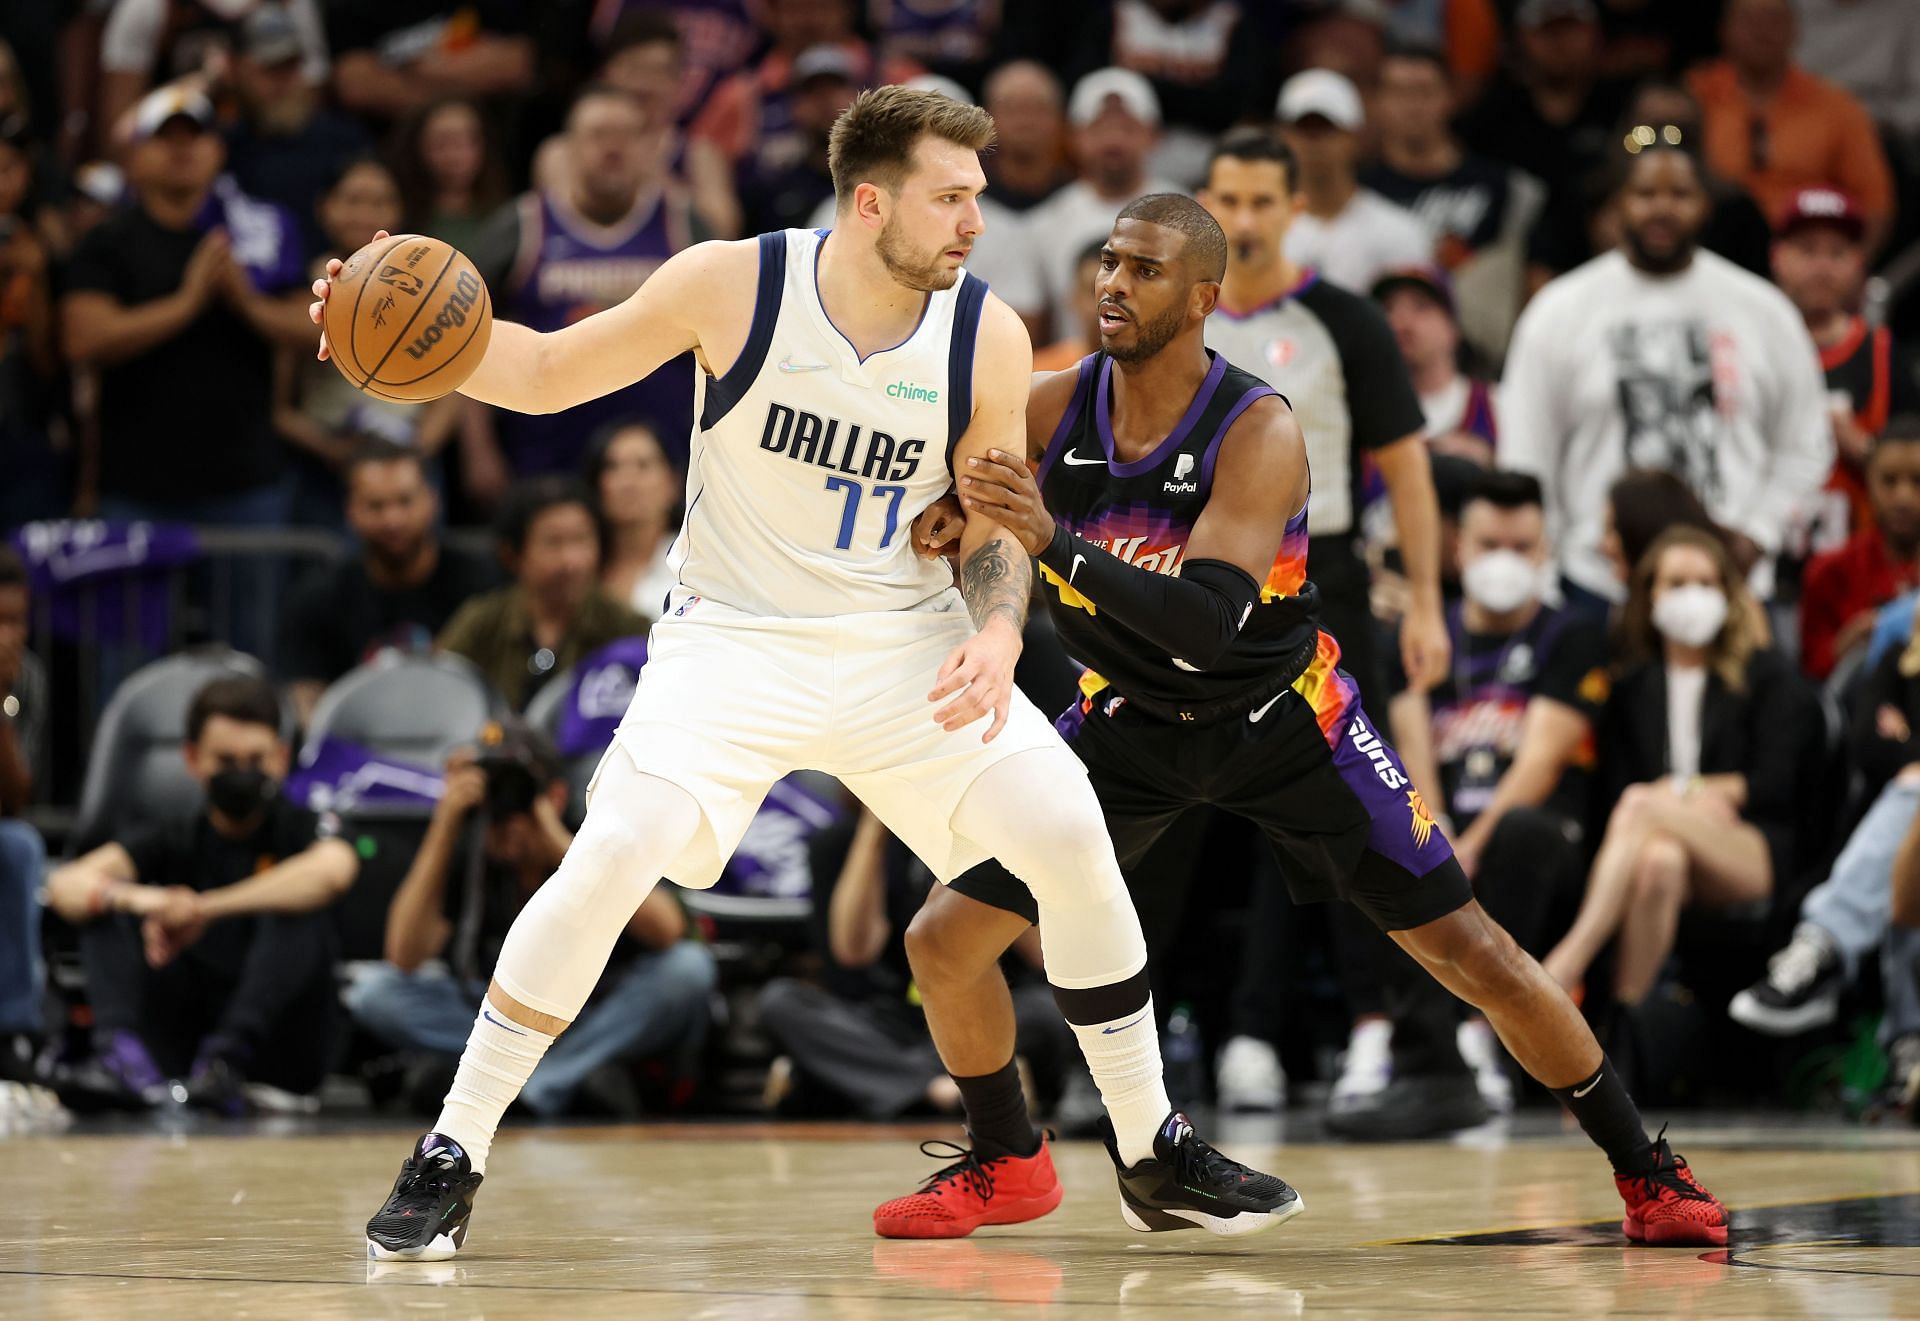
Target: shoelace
(418, 1178)
(1671, 1172)
(1194, 1162)
(1794, 968)
(967, 1167)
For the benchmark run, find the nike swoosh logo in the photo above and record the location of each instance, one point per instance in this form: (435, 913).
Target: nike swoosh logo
(1582, 1091)
(1109, 1031)
(788, 365)
(1074, 461)
(1253, 718)
(488, 1015)
(1078, 560)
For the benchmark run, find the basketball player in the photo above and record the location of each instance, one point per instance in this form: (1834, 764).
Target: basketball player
(1173, 533)
(842, 375)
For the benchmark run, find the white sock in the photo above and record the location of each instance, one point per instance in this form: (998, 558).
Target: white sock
(499, 1058)
(1125, 1059)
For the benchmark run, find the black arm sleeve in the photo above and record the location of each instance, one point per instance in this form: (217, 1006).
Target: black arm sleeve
(1195, 617)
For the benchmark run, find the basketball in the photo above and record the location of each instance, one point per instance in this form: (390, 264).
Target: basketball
(408, 318)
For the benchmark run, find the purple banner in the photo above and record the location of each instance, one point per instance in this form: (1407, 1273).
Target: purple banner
(337, 776)
(106, 581)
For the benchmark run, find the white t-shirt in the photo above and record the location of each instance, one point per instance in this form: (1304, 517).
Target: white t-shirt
(1369, 237)
(1061, 227)
(1445, 407)
(650, 589)
(1708, 374)
(1686, 696)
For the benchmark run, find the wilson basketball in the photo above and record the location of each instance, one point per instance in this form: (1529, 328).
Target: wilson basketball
(408, 318)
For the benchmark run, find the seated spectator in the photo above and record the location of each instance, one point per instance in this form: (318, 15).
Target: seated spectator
(1065, 353)
(451, 914)
(1664, 356)
(639, 493)
(1700, 743)
(1642, 504)
(553, 257)
(718, 37)
(322, 415)
(555, 612)
(1028, 165)
(36, 484)
(792, 195)
(287, 143)
(1347, 232)
(1820, 262)
(1776, 128)
(1848, 918)
(1419, 305)
(399, 590)
(1845, 588)
(1477, 211)
(857, 1039)
(1464, 36)
(23, 855)
(208, 956)
(1116, 122)
(452, 179)
(392, 56)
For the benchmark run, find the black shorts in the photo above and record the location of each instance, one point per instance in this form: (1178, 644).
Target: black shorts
(1309, 769)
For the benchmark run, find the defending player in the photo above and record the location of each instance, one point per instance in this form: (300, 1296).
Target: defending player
(1176, 544)
(841, 376)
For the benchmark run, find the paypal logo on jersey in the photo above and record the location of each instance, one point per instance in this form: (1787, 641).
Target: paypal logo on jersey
(1182, 466)
(913, 394)
(826, 442)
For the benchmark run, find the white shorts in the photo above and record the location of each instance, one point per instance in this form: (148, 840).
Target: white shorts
(730, 702)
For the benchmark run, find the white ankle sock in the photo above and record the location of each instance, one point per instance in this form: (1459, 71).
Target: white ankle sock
(499, 1058)
(1124, 1057)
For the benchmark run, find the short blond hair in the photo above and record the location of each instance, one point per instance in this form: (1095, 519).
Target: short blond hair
(873, 140)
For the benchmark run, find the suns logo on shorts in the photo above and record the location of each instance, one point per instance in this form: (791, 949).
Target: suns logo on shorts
(1422, 819)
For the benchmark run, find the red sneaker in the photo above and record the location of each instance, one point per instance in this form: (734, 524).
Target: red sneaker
(971, 1192)
(1667, 1205)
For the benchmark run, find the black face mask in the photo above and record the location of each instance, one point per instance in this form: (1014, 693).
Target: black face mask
(240, 792)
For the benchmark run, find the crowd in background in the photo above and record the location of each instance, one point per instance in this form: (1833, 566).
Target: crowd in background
(1620, 250)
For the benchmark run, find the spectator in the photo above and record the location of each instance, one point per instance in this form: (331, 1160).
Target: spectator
(552, 258)
(1464, 34)
(392, 56)
(287, 144)
(790, 196)
(750, 116)
(953, 38)
(1418, 302)
(1028, 165)
(1820, 262)
(35, 484)
(146, 43)
(639, 494)
(857, 1039)
(1776, 128)
(1663, 356)
(1849, 916)
(1348, 233)
(717, 37)
(207, 954)
(555, 612)
(23, 855)
(1116, 122)
(458, 900)
(451, 176)
(1553, 114)
(1477, 212)
(1641, 504)
(316, 409)
(1869, 47)
(1701, 750)
(1063, 354)
(1845, 588)
(398, 591)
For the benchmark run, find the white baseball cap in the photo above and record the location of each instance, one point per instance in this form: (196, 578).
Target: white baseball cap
(1091, 93)
(163, 105)
(1324, 93)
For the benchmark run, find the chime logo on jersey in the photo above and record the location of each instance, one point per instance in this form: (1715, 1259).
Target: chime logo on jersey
(1369, 745)
(826, 442)
(1182, 466)
(1422, 819)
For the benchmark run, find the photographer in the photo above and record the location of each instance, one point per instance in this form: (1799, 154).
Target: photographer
(205, 947)
(456, 905)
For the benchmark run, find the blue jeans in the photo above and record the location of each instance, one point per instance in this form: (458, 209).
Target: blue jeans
(1854, 906)
(655, 1004)
(22, 858)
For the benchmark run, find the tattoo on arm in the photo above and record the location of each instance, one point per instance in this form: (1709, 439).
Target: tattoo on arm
(993, 585)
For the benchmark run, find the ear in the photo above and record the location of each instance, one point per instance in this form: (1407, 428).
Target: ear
(870, 204)
(1204, 298)
(190, 754)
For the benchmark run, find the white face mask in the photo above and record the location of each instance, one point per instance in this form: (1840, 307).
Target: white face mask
(1691, 615)
(1501, 580)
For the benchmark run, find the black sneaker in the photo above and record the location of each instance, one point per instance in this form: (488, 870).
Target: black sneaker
(1186, 1184)
(425, 1218)
(1410, 1107)
(217, 1084)
(1800, 992)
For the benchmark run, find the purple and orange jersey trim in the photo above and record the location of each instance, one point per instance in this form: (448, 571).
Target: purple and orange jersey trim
(1329, 692)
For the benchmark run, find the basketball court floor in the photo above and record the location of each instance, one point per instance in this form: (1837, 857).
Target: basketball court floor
(770, 1223)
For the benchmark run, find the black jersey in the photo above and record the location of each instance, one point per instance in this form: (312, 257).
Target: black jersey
(1143, 512)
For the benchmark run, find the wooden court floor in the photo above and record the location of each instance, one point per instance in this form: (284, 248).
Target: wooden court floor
(771, 1224)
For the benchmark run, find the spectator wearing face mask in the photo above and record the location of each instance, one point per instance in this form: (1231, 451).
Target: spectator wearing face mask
(207, 955)
(1702, 747)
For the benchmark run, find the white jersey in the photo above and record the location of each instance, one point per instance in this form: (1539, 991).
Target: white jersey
(809, 464)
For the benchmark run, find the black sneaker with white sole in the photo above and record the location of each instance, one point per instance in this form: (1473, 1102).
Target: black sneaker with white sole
(425, 1218)
(1801, 990)
(1410, 1107)
(1186, 1184)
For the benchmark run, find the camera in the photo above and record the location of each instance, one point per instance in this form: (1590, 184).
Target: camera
(515, 769)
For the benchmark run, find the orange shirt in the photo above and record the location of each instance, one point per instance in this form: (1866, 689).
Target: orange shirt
(1813, 134)
(1060, 355)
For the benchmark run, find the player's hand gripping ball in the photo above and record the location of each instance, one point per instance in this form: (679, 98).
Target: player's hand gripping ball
(406, 318)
